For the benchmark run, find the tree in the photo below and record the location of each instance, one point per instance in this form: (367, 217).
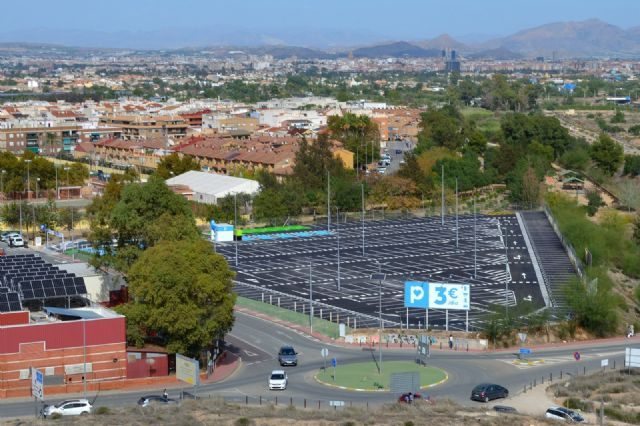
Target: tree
(618, 117)
(629, 193)
(531, 188)
(607, 154)
(137, 216)
(593, 310)
(440, 128)
(636, 231)
(313, 161)
(631, 165)
(182, 290)
(174, 165)
(594, 202)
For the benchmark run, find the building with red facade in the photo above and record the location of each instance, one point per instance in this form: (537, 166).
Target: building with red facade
(59, 344)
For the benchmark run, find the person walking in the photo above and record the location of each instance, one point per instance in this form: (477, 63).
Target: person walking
(165, 394)
(451, 341)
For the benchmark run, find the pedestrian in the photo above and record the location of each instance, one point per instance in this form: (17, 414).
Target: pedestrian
(165, 394)
(451, 341)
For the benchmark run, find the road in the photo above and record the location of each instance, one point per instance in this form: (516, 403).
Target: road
(258, 341)
(396, 150)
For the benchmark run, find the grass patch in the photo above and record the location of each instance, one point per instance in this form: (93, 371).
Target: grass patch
(365, 375)
(322, 326)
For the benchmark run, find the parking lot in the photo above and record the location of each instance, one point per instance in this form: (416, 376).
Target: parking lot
(407, 249)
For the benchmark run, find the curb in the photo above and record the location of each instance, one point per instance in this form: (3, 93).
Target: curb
(315, 377)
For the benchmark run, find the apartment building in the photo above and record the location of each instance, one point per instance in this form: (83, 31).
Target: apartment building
(147, 126)
(52, 140)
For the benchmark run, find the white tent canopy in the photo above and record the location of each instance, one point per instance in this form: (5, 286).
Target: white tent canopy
(209, 187)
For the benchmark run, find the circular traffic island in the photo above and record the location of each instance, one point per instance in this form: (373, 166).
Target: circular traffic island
(364, 376)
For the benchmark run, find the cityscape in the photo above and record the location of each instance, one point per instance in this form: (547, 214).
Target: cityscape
(254, 221)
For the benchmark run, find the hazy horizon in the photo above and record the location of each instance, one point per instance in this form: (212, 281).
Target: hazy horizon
(164, 24)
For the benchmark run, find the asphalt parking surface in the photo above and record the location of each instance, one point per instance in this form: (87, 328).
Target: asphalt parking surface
(419, 249)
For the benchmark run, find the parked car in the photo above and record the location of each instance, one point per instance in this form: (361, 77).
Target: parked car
(17, 241)
(5, 236)
(485, 392)
(278, 380)
(148, 400)
(564, 414)
(70, 407)
(287, 356)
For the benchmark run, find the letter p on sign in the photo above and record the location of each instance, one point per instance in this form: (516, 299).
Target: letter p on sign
(416, 294)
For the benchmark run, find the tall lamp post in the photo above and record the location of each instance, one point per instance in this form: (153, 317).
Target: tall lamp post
(37, 182)
(67, 182)
(28, 179)
(380, 277)
(310, 300)
(2, 173)
(55, 166)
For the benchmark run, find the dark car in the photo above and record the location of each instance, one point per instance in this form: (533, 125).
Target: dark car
(504, 409)
(287, 356)
(485, 392)
(148, 400)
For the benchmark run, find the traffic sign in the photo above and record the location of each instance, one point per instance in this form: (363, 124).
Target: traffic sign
(525, 351)
(334, 362)
(37, 384)
(576, 355)
(324, 352)
(336, 403)
(522, 337)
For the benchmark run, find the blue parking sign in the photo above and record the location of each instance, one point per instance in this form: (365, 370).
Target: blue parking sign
(416, 294)
(334, 362)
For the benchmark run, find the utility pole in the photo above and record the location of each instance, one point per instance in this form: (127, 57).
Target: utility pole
(328, 202)
(456, 212)
(84, 359)
(338, 239)
(310, 300)
(362, 194)
(442, 191)
(235, 224)
(475, 239)
(28, 179)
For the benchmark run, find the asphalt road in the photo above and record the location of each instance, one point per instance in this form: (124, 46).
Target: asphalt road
(257, 341)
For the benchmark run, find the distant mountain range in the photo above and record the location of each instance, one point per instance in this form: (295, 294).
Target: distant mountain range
(583, 39)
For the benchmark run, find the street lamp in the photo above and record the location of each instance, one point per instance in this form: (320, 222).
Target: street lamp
(310, 300)
(28, 181)
(55, 166)
(380, 277)
(4, 172)
(67, 170)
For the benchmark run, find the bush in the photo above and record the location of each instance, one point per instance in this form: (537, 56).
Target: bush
(243, 421)
(579, 404)
(595, 202)
(103, 410)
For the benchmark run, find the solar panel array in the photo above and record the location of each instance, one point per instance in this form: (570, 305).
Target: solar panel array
(28, 277)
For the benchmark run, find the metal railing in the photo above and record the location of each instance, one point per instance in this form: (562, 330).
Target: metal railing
(573, 257)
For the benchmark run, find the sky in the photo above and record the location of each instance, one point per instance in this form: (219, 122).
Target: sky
(307, 22)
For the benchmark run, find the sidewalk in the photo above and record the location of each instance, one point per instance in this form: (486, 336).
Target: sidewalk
(226, 367)
(576, 344)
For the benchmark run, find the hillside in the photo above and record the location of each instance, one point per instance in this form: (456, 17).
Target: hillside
(395, 50)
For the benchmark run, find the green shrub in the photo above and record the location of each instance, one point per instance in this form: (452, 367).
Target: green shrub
(579, 404)
(55, 416)
(243, 421)
(103, 410)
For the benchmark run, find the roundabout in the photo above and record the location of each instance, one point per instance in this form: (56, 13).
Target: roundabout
(364, 377)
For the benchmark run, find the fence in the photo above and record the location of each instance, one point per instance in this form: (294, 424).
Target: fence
(573, 257)
(351, 319)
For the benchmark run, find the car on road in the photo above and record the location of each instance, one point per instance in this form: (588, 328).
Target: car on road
(486, 392)
(278, 380)
(504, 409)
(287, 356)
(5, 236)
(17, 241)
(70, 407)
(146, 401)
(382, 170)
(564, 414)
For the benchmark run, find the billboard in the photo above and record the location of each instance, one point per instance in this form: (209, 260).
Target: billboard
(37, 384)
(632, 358)
(427, 295)
(187, 370)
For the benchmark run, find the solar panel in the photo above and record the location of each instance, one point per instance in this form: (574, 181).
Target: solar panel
(10, 302)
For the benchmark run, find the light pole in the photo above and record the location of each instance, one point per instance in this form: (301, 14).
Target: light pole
(442, 191)
(2, 180)
(55, 166)
(67, 182)
(235, 224)
(362, 193)
(310, 300)
(380, 277)
(28, 179)
(338, 240)
(37, 181)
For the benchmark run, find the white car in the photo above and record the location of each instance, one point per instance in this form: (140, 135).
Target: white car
(564, 414)
(70, 407)
(6, 236)
(16, 241)
(278, 380)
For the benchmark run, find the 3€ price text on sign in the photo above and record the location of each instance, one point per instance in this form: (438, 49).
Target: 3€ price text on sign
(426, 295)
